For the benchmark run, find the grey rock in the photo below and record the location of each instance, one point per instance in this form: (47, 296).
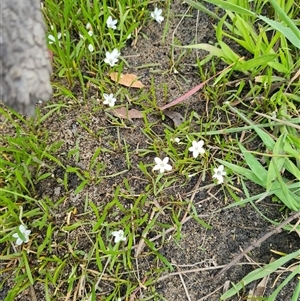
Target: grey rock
(25, 65)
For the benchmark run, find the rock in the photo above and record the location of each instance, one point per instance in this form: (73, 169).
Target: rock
(25, 66)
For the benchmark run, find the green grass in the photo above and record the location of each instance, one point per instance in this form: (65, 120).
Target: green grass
(270, 75)
(256, 88)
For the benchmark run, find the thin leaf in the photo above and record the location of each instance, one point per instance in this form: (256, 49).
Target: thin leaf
(256, 62)
(296, 294)
(213, 50)
(242, 171)
(192, 91)
(254, 165)
(284, 283)
(287, 20)
(27, 267)
(161, 257)
(259, 274)
(286, 31)
(202, 8)
(229, 53)
(232, 7)
(277, 161)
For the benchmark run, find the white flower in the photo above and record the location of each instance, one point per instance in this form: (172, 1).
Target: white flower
(111, 23)
(219, 173)
(109, 99)
(52, 39)
(197, 148)
(88, 26)
(24, 235)
(274, 114)
(156, 15)
(112, 57)
(90, 33)
(176, 140)
(162, 165)
(91, 48)
(119, 235)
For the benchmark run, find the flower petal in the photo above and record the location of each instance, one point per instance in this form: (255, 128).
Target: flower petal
(19, 241)
(157, 160)
(165, 160)
(168, 167)
(22, 229)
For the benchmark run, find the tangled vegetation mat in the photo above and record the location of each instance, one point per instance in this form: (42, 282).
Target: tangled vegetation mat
(86, 172)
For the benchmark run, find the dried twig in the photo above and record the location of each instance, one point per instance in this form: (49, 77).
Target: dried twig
(190, 271)
(132, 297)
(258, 243)
(185, 288)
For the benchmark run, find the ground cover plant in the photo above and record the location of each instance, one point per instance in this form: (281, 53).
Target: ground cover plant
(96, 186)
(268, 67)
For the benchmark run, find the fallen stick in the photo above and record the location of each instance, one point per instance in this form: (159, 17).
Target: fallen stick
(258, 243)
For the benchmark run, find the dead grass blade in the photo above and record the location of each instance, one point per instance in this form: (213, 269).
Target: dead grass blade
(192, 91)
